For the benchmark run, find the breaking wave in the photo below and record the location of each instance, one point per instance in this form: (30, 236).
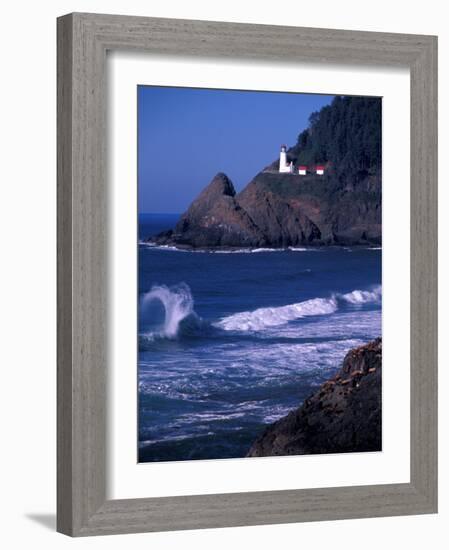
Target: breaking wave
(177, 302)
(363, 296)
(266, 317)
(180, 318)
(273, 316)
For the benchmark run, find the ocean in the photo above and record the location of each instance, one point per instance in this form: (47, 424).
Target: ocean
(232, 341)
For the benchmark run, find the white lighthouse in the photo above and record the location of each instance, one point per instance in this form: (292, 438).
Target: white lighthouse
(284, 166)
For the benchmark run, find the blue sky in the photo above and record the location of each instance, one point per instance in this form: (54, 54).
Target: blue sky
(187, 135)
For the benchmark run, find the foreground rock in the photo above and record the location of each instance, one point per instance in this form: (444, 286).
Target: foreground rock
(344, 415)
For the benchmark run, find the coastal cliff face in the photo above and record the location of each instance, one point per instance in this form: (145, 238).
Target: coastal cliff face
(214, 219)
(344, 415)
(280, 210)
(313, 210)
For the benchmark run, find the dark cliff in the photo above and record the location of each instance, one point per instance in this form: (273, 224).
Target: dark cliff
(344, 415)
(341, 207)
(279, 210)
(214, 219)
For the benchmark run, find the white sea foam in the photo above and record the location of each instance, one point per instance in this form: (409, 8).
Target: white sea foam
(168, 248)
(363, 296)
(272, 316)
(246, 250)
(263, 249)
(303, 249)
(172, 248)
(266, 317)
(178, 305)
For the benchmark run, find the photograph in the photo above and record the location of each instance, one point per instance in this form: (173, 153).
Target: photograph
(260, 264)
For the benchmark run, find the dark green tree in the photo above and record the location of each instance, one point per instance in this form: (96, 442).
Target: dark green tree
(346, 135)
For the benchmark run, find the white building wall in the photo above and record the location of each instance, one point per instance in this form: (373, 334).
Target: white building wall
(284, 166)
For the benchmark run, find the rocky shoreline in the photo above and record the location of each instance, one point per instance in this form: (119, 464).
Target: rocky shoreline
(344, 415)
(152, 242)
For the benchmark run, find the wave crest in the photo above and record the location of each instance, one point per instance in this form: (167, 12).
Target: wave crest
(273, 316)
(180, 317)
(363, 296)
(178, 306)
(266, 317)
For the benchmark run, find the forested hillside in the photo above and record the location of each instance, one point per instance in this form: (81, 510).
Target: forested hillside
(347, 135)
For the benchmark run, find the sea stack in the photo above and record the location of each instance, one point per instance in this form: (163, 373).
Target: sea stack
(214, 220)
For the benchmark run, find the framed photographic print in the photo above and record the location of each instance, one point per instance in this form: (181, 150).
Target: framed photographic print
(246, 274)
(251, 297)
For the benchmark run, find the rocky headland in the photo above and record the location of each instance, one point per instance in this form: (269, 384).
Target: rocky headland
(279, 210)
(341, 207)
(344, 415)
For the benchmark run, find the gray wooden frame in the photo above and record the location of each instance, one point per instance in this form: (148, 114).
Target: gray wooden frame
(83, 40)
